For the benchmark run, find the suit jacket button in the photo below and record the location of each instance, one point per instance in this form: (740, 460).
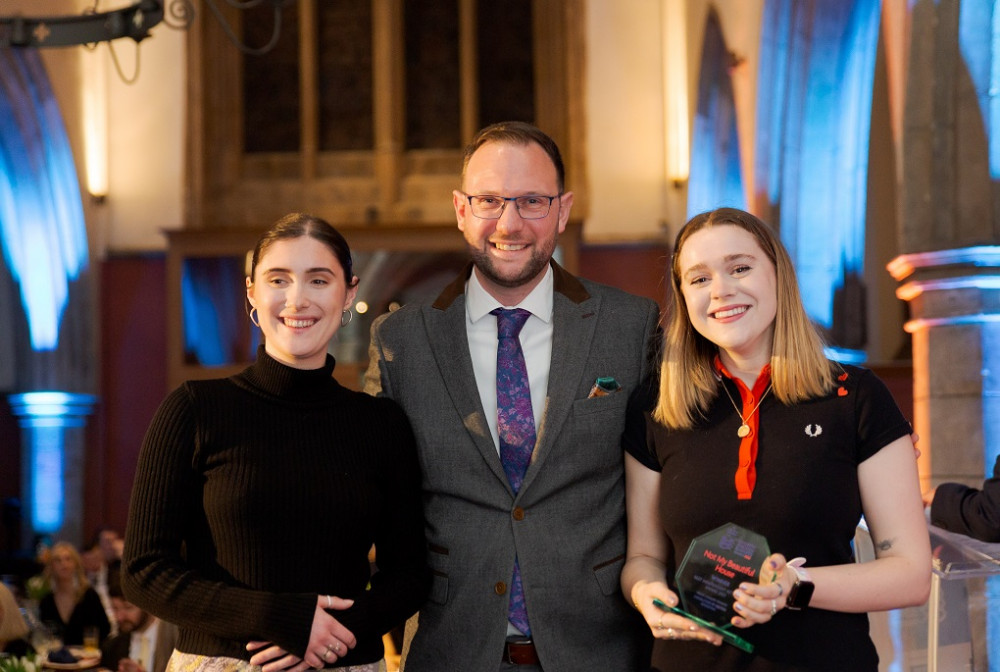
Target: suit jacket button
(518, 513)
(500, 588)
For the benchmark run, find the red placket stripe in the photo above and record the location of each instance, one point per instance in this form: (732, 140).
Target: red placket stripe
(746, 469)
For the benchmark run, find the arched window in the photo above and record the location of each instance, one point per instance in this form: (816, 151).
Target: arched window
(361, 110)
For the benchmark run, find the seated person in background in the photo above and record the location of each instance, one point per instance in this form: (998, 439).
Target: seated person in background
(102, 562)
(144, 642)
(959, 508)
(13, 629)
(37, 586)
(72, 605)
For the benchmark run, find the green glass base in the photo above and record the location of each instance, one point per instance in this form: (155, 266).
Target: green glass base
(728, 636)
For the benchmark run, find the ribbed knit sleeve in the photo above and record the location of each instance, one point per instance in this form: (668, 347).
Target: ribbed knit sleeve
(402, 579)
(165, 515)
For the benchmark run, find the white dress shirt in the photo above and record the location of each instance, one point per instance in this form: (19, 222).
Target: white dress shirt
(142, 645)
(535, 337)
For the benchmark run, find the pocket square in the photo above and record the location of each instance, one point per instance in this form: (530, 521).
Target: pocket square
(603, 387)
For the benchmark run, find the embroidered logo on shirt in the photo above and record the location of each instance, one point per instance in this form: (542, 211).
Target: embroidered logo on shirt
(813, 430)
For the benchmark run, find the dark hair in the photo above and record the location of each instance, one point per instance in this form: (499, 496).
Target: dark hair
(95, 539)
(518, 133)
(115, 583)
(298, 224)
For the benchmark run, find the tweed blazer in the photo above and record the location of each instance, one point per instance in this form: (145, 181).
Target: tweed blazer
(566, 524)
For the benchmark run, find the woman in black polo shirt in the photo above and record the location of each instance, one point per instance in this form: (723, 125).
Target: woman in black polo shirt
(751, 424)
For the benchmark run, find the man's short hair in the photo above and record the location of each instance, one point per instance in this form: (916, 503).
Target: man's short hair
(518, 133)
(115, 583)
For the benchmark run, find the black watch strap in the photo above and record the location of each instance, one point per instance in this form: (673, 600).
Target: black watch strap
(800, 593)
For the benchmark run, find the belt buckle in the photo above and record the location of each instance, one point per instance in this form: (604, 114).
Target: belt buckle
(505, 658)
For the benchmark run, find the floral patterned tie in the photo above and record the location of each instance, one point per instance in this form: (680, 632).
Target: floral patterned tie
(515, 426)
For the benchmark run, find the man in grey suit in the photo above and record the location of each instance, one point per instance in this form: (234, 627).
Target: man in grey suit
(564, 523)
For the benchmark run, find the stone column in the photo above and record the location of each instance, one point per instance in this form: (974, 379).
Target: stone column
(52, 463)
(949, 233)
(954, 298)
(949, 268)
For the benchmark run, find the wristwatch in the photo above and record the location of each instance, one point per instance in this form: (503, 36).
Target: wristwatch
(801, 591)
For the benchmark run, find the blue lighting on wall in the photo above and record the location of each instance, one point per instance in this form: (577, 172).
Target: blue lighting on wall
(775, 41)
(201, 324)
(213, 300)
(977, 47)
(47, 477)
(42, 230)
(992, 620)
(45, 416)
(817, 68)
(991, 377)
(716, 179)
(994, 113)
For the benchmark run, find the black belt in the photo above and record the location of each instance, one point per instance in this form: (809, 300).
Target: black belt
(520, 653)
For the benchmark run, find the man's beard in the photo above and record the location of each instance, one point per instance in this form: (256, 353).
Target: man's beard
(127, 627)
(536, 264)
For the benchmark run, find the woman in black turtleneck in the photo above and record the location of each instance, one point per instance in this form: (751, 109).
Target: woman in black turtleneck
(258, 497)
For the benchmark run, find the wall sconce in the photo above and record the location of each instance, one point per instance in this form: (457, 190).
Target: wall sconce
(94, 76)
(675, 93)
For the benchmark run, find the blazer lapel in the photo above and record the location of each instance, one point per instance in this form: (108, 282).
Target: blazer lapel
(574, 321)
(446, 332)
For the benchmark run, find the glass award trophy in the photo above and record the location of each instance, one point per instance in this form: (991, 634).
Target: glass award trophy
(713, 567)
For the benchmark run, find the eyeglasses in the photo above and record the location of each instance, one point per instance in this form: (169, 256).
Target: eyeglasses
(487, 206)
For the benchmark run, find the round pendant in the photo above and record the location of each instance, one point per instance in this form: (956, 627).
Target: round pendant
(743, 431)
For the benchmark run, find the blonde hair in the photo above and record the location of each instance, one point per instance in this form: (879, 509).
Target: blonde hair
(12, 625)
(799, 368)
(80, 582)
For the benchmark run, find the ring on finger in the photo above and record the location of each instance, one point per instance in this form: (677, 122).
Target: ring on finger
(774, 607)
(781, 589)
(336, 648)
(659, 624)
(671, 633)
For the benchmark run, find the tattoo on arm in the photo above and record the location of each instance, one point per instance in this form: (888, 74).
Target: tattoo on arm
(884, 544)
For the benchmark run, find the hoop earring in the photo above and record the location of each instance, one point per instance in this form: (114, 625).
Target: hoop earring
(350, 316)
(255, 322)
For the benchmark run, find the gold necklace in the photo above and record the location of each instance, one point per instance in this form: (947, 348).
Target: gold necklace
(744, 429)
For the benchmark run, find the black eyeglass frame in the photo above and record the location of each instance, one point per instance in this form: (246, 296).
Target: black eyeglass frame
(506, 199)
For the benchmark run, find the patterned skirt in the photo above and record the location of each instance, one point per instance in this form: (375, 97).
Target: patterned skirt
(191, 662)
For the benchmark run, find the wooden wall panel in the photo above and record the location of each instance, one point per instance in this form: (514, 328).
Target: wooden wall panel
(639, 269)
(133, 380)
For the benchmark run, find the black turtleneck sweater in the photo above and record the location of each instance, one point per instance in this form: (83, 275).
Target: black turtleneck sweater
(256, 493)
